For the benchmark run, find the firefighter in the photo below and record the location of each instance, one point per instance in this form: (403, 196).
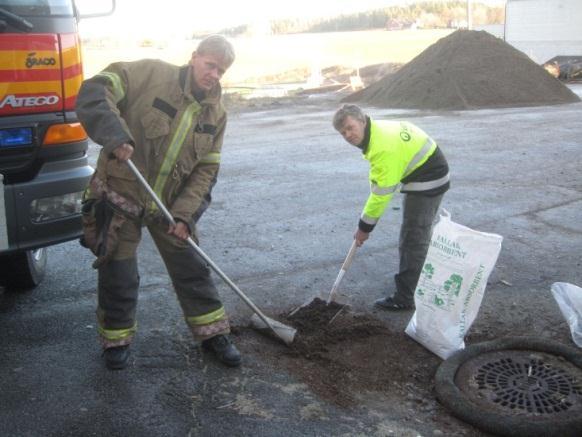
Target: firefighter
(402, 158)
(170, 121)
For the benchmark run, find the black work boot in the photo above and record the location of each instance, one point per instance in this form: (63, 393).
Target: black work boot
(116, 358)
(224, 350)
(393, 304)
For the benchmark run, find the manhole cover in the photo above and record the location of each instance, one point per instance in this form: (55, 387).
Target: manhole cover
(515, 387)
(522, 382)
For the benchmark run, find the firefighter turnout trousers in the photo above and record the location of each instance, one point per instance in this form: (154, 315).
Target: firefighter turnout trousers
(118, 283)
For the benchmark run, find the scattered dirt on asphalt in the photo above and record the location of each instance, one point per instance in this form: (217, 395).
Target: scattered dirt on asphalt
(340, 354)
(466, 70)
(353, 360)
(343, 353)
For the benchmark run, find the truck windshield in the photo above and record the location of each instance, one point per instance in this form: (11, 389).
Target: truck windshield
(38, 8)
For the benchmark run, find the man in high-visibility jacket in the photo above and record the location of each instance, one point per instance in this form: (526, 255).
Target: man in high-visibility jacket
(402, 158)
(170, 121)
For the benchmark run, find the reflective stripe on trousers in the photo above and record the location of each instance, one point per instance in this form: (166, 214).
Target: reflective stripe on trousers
(196, 292)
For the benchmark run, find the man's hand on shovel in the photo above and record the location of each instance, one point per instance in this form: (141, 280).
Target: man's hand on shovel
(180, 230)
(360, 236)
(123, 152)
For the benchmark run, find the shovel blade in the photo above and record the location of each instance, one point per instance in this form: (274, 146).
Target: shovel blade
(281, 331)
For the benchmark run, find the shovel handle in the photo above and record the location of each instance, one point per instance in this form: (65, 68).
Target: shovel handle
(343, 270)
(205, 257)
(350, 256)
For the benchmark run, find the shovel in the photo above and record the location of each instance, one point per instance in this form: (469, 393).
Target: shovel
(331, 296)
(342, 272)
(259, 320)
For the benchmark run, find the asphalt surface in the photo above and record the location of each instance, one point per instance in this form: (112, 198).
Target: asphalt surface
(287, 202)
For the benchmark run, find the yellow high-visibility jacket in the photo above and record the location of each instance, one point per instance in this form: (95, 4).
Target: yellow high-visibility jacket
(402, 158)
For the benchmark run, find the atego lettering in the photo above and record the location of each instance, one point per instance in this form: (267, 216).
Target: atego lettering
(28, 101)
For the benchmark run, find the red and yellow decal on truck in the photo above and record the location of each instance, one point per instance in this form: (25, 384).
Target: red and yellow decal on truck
(39, 73)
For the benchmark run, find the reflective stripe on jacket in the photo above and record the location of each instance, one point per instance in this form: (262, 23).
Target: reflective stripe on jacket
(177, 140)
(395, 151)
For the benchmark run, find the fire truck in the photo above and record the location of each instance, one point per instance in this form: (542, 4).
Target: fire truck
(43, 147)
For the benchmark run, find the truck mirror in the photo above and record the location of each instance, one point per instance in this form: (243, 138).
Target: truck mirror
(93, 8)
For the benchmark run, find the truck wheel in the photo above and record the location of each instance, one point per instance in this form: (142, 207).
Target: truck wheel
(23, 270)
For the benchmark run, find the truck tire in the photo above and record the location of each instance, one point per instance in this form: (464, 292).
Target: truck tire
(23, 270)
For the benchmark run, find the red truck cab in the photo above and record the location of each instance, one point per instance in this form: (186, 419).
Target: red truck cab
(43, 147)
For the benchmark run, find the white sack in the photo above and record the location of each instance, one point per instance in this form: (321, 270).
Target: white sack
(451, 285)
(569, 298)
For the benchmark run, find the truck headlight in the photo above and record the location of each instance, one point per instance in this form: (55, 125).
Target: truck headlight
(52, 208)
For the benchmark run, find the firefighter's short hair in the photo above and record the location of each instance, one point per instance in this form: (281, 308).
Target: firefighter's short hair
(219, 46)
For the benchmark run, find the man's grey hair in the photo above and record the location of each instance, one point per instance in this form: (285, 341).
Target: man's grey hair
(217, 45)
(345, 111)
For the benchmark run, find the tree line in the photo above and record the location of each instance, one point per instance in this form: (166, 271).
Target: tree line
(424, 14)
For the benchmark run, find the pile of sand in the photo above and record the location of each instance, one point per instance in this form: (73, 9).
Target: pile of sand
(466, 70)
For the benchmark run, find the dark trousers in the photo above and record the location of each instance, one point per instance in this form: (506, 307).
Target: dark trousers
(118, 283)
(418, 215)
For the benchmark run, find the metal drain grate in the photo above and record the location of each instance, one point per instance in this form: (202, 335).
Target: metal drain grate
(522, 382)
(515, 387)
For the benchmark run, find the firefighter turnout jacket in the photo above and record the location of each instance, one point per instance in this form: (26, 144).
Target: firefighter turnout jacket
(402, 158)
(177, 139)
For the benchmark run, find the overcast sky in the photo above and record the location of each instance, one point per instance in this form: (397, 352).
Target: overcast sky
(172, 17)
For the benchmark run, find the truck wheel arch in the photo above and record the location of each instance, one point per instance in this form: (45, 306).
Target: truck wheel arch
(23, 270)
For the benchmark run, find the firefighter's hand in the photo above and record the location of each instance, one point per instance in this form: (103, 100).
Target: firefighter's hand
(360, 236)
(123, 152)
(180, 230)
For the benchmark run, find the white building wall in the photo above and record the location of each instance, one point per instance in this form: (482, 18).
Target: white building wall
(544, 28)
(496, 30)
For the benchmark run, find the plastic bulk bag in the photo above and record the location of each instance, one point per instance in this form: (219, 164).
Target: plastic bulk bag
(451, 285)
(569, 298)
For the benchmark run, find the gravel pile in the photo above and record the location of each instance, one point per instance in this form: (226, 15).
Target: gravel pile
(466, 70)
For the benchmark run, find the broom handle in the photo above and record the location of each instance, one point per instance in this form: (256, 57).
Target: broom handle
(343, 270)
(205, 257)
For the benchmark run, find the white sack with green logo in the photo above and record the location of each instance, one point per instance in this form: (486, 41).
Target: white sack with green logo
(451, 285)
